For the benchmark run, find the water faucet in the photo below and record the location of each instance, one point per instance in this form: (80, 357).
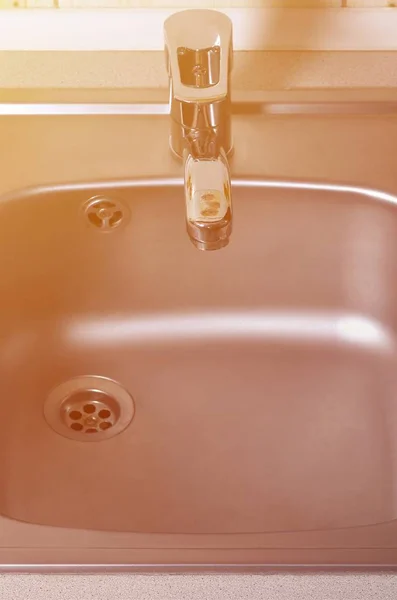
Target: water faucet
(198, 46)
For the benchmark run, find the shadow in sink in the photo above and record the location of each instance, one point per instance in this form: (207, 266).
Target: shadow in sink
(263, 375)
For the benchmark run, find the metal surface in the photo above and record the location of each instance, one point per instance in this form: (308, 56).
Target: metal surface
(89, 409)
(208, 34)
(105, 214)
(263, 375)
(265, 405)
(198, 47)
(265, 408)
(155, 102)
(159, 109)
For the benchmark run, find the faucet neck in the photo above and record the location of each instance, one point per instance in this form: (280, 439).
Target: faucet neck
(202, 128)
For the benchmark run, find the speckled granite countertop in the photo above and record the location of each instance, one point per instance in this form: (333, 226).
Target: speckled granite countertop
(199, 587)
(252, 70)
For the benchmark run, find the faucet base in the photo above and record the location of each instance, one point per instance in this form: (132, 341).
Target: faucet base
(209, 246)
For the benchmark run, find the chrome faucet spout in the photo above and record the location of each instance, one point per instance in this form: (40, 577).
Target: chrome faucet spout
(198, 46)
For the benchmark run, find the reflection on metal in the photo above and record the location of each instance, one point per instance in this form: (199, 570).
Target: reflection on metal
(199, 68)
(42, 108)
(267, 326)
(199, 55)
(271, 107)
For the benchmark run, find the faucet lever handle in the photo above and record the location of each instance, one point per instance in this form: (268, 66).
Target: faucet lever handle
(198, 48)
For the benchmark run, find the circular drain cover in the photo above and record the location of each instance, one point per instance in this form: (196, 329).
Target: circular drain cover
(89, 409)
(105, 214)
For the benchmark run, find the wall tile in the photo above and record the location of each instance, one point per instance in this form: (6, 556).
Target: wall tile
(370, 3)
(136, 3)
(278, 3)
(27, 3)
(197, 3)
(172, 3)
(12, 3)
(39, 3)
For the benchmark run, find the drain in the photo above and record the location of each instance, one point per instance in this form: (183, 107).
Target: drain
(89, 408)
(105, 214)
(90, 411)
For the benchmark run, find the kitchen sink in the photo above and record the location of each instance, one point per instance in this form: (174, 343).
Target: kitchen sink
(166, 408)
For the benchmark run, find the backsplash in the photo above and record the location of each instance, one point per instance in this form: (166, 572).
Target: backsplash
(196, 3)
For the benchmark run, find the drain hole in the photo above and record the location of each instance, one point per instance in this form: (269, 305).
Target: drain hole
(75, 415)
(95, 220)
(104, 414)
(105, 214)
(116, 218)
(76, 426)
(90, 404)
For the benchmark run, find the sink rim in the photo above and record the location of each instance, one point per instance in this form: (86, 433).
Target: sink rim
(372, 558)
(254, 181)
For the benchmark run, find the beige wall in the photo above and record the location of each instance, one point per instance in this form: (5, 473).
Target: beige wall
(195, 3)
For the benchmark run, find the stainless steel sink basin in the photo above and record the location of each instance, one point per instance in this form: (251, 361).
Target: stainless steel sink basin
(263, 376)
(256, 385)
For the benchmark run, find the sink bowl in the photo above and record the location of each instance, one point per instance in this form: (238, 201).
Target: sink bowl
(166, 408)
(263, 376)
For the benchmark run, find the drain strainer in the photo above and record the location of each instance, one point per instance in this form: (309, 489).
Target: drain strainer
(105, 214)
(89, 408)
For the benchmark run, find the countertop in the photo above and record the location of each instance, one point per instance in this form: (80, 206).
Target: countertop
(251, 70)
(199, 587)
